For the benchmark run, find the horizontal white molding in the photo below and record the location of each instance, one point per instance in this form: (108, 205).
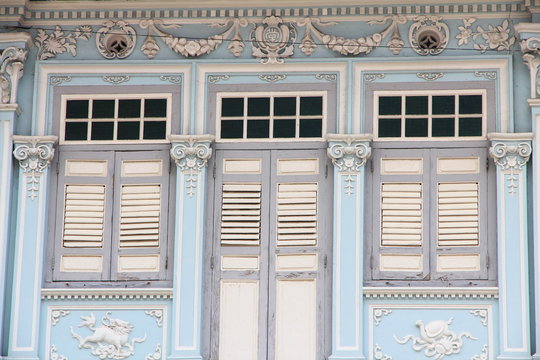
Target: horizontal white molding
(105, 294)
(431, 293)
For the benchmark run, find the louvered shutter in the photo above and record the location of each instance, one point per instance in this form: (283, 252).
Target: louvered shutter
(139, 237)
(84, 212)
(241, 214)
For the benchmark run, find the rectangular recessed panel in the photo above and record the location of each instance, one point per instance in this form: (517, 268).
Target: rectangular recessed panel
(138, 263)
(241, 214)
(231, 262)
(467, 165)
(401, 214)
(133, 168)
(402, 166)
(78, 263)
(84, 208)
(86, 167)
(298, 166)
(458, 214)
(400, 262)
(297, 214)
(458, 262)
(242, 166)
(140, 211)
(296, 262)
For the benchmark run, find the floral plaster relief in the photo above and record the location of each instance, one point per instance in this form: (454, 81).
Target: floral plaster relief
(493, 38)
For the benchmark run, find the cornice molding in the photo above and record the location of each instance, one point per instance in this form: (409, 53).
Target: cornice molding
(105, 294)
(431, 293)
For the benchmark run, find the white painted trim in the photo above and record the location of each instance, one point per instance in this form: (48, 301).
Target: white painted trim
(18, 36)
(431, 292)
(510, 136)
(105, 294)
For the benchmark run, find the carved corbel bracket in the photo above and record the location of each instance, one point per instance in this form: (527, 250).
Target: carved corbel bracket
(11, 70)
(530, 46)
(349, 153)
(511, 153)
(191, 154)
(34, 154)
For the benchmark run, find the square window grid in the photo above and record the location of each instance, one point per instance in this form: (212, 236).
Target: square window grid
(434, 116)
(115, 119)
(280, 116)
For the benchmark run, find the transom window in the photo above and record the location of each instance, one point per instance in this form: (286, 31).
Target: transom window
(439, 115)
(262, 116)
(116, 118)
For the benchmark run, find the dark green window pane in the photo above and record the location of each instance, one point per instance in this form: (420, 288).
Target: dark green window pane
(232, 107)
(154, 130)
(470, 104)
(129, 108)
(258, 107)
(77, 109)
(310, 128)
(389, 127)
(102, 130)
(232, 129)
(416, 127)
(102, 109)
(416, 105)
(311, 105)
(284, 106)
(128, 130)
(443, 105)
(76, 131)
(155, 107)
(258, 129)
(470, 127)
(390, 105)
(443, 127)
(284, 128)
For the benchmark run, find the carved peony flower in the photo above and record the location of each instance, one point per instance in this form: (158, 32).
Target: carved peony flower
(496, 37)
(150, 47)
(191, 47)
(464, 35)
(350, 47)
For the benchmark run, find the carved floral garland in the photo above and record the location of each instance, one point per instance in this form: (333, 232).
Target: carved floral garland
(494, 38)
(58, 42)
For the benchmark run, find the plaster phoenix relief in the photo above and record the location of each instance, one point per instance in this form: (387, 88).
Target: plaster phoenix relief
(58, 42)
(11, 70)
(511, 158)
(436, 339)
(496, 38)
(34, 157)
(116, 39)
(428, 35)
(192, 47)
(110, 340)
(273, 40)
(344, 46)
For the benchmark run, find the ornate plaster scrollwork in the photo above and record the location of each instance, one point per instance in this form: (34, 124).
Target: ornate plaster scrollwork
(482, 314)
(34, 154)
(56, 314)
(191, 154)
(54, 355)
(273, 40)
(58, 42)
(11, 70)
(373, 76)
(378, 354)
(192, 47)
(361, 45)
(116, 39)
(272, 77)
(494, 38)
(57, 80)
(436, 339)
(430, 76)
(158, 314)
(489, 75)
(174, 79)
(110, 340)
(348, 154)
(156, 355)
(428, 35)
(115, 79)
(378, 314)
(483, 355)
(511, 158)
(533, 63)
(327, 77)
(217, 78)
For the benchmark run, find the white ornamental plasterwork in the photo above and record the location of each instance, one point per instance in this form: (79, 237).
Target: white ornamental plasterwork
(272, 77)
(212, 79)
(429, 76)
(489, 75)
(57, 314)
(379, 355)
(533, 63)
(34, 155)
(511, 158)
(482, 314)
(58, 41)
(327, 77)
(191, 155)
(373, 76)
(115, 79)
(174, 79)
(54, 355)
(348, 155)
(156, 355)
(436, 339)
(429, 35)
(495, 38)
(57, 80)
(158, 314)
(116, 39)
(483, 355)
(110, 340)
(378, 314)
(11, 70)
(192, 47)
(344, 46)
(273, 40)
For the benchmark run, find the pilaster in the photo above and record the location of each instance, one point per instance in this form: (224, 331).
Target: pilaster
(349, 154)
(191, 154)
(34, 154)
(511, 153)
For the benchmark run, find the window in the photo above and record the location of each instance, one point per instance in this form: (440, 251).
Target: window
(261, 116)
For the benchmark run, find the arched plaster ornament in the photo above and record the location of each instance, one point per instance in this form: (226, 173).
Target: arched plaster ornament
(428, 35)
(436, 339)
(116, 39)
(273, 40)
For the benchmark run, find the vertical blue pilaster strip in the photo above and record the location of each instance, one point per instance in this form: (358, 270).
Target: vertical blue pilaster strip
(34, 155)
(535, 107)
(511, 153)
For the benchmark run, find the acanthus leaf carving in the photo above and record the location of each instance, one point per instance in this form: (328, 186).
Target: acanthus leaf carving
(273, 40)
(11, 70)
(511, 158)
(58, 42)
(496, 38)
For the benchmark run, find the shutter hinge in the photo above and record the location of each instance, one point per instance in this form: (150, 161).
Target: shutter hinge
(166, 262)
(325, 261)
(487, 163)
(214, 171)
(371, 165)
(170, 167)
(57, 167)
(326, 172)
(487, 263)
(371, 262)
(212, 262)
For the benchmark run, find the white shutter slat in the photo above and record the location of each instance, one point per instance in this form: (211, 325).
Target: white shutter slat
(140, 210)
(297, 214)
(458, 214)
(401, 214)
(84, 208)
(240, 214)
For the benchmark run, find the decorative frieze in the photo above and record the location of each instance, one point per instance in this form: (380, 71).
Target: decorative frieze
(495, 37)
(116, 79)
(272, 77)
(273, 40)
(11, 70)
(34, 154)
(58, 42)
(116, 39)
(511, 155)
(429, 35)
(431, 293)
(429, 76)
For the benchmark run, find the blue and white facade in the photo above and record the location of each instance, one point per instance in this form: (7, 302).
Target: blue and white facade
(221, 180)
